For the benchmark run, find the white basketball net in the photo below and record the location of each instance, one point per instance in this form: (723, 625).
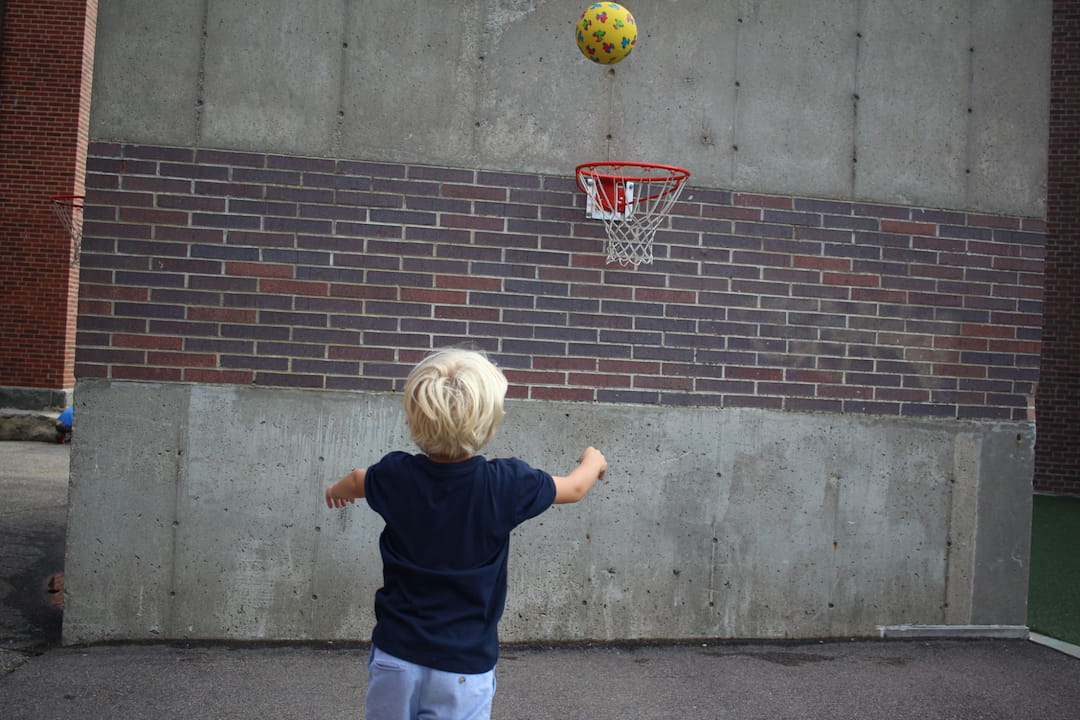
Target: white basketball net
(633, 201)
(69, 211)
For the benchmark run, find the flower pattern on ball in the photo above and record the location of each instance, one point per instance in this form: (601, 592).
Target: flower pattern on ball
(606, 33)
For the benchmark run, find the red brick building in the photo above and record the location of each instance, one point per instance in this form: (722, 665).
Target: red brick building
(46, 67)
(1057, 454)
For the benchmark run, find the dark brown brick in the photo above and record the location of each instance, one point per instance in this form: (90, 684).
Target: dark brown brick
(340, 274)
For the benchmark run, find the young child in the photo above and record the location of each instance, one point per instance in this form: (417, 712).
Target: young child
(448, 513)
(63, 425)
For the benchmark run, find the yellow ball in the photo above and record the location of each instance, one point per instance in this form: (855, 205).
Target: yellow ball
(606, 33)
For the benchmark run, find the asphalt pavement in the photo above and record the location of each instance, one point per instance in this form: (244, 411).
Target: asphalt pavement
(834, 680)
(33, 516)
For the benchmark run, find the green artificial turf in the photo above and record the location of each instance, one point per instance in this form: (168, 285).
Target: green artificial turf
(1054, 592)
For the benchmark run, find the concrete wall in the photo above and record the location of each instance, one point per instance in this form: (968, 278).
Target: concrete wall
(931, 103)
(730, 523)
(825, 139)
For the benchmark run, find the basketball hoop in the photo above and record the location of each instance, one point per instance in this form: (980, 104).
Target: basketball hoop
(632, 199)
(69, 210)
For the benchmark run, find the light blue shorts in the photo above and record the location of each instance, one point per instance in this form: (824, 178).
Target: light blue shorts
(400, 690)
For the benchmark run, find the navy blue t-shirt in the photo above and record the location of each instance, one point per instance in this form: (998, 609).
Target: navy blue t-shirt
(444, 552)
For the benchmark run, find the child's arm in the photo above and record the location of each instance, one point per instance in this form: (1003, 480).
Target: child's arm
(591, 467)
(346, 490)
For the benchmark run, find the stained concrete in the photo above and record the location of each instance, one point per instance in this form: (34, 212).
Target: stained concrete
(701, 679)
(200, 515)
(939, 104)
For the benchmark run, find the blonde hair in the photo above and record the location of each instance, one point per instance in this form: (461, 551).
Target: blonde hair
(454, 403)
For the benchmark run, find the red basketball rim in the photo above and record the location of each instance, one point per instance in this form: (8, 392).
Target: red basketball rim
(675, 175)
(75, 201)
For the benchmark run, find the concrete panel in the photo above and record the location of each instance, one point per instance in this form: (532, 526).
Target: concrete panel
(732, 523)
(541, 106)
(254, 509)
(833, 525)
(1003, 536)
(961, 570)
(409, 86)
(344, 578)
(796, 82)
(273, 75)
(1010, 86)
(914, 88)
(990, 535)
(682, 81)
(502, 86)
(146, 70)
(634, 559)
(125, 466)
(258, 503)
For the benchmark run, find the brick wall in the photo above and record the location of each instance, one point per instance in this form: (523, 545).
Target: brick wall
(46, 63)
(226, 267)
(1057, 453)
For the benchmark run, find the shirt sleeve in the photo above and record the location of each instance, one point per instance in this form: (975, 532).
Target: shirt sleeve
(374, 478)
(534, 490)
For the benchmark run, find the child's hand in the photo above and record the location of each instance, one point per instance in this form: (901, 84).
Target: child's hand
(591, 467)
(333, 501)
(592, 456)
(346, 490)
